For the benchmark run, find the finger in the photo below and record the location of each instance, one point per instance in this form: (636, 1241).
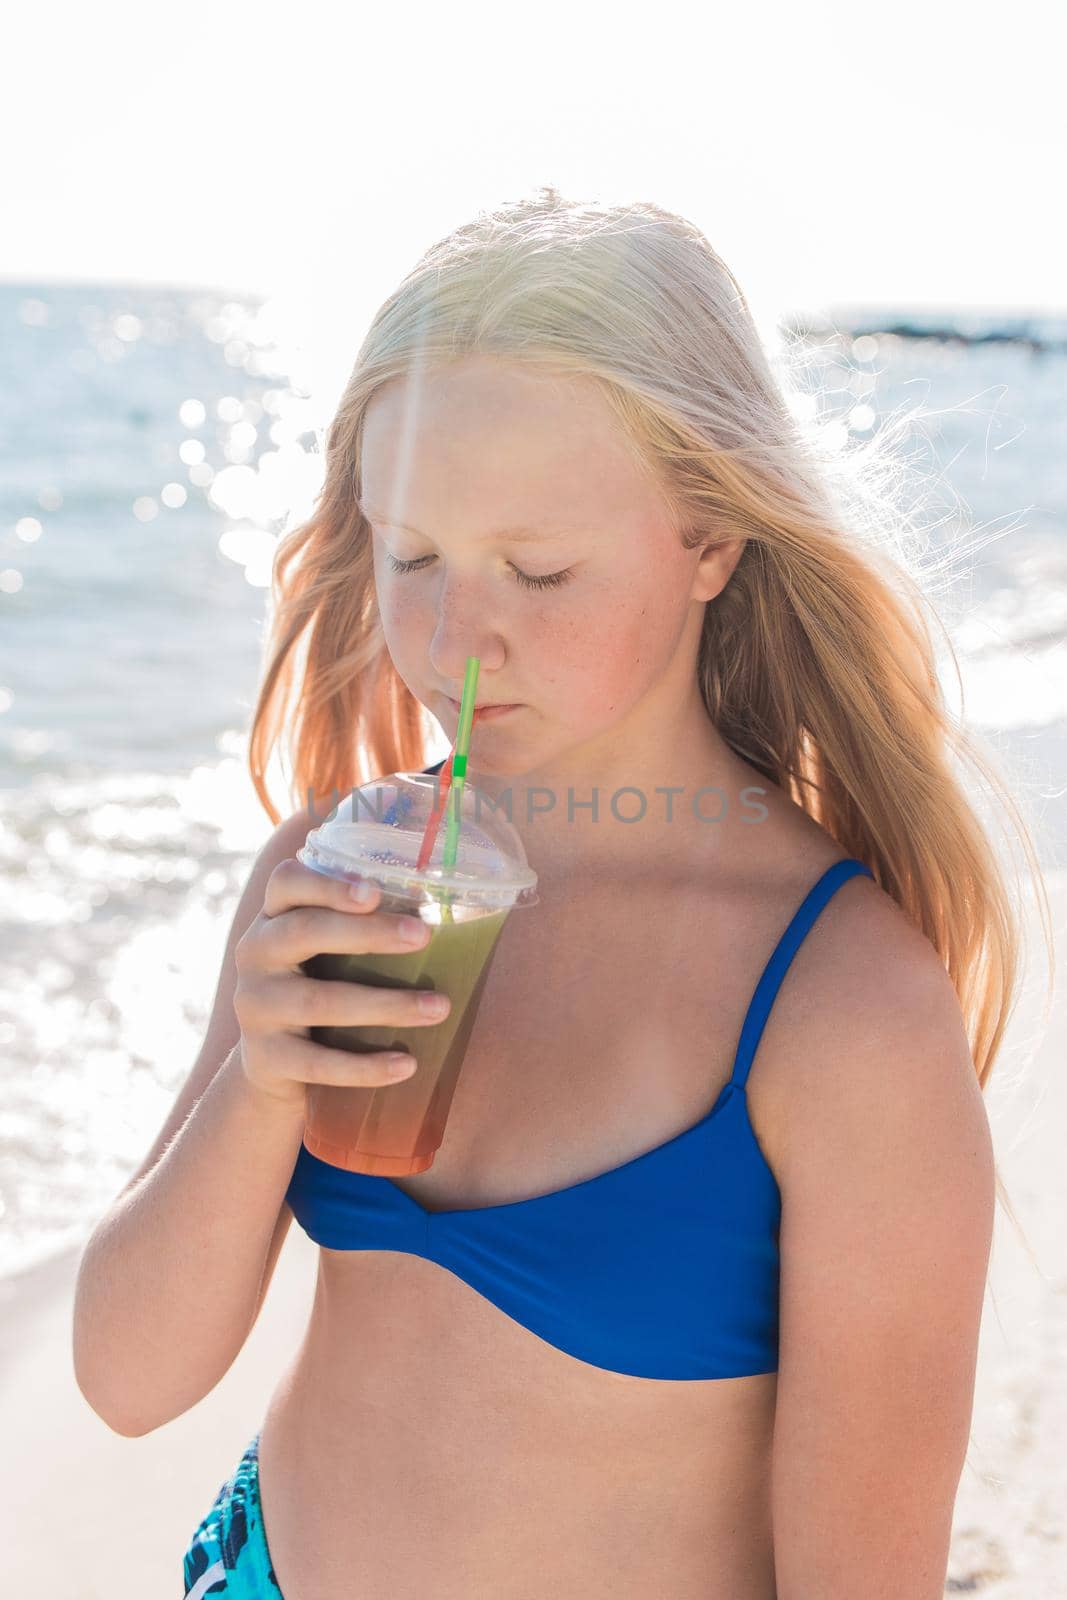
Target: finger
(293, 884)
(288, 1001)
(304, 1061)
(305, 931)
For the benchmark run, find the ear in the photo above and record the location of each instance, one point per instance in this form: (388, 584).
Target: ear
(715, 568)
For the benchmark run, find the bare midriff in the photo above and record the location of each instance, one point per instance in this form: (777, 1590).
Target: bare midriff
(425, 1444)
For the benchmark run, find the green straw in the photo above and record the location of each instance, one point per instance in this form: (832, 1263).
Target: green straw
(459, 763)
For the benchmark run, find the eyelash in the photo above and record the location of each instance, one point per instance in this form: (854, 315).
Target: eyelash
(551, 580)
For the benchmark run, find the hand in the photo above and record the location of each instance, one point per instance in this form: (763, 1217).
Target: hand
(305, 913)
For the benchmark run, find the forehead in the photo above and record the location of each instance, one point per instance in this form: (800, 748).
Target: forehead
(489, 390)
(510, 441)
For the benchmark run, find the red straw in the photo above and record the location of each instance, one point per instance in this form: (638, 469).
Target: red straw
(438, 812)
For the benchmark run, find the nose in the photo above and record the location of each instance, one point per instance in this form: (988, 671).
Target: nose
(465, 627)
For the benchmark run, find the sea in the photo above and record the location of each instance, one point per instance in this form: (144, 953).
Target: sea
(155, 443)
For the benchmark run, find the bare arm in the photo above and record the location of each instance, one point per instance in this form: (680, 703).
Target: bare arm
(169, 1285)
(887, 1187)
(173, 1276)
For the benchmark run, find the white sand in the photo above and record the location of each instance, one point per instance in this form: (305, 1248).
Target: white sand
(88, 1515)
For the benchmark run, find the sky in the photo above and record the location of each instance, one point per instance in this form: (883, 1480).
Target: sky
(834, 154)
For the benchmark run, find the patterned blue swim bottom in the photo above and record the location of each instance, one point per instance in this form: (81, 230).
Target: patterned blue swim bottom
(228, 1553)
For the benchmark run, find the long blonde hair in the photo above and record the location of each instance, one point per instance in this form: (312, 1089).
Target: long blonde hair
(816, 664)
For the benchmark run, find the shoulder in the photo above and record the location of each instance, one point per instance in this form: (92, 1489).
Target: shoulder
(866, 1016)
(886, 1014)
(292, 831)
(887, 1093)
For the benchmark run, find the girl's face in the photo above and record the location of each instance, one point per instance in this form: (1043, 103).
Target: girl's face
(536, 543)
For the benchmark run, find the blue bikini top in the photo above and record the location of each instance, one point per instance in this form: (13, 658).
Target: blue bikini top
(664, 1267)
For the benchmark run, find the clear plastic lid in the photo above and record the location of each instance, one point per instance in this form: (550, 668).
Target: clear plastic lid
(376, 832)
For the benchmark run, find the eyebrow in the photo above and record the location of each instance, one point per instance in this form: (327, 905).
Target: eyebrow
(514, 535)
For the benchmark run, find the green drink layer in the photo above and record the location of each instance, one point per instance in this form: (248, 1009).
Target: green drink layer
(397, 1127)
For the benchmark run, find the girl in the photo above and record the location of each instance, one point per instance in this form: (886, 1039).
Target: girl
(688, 1303)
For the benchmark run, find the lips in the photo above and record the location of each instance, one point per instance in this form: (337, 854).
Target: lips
(487, 708)
(485, 705)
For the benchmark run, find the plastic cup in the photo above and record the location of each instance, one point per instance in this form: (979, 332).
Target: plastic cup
(376, 832)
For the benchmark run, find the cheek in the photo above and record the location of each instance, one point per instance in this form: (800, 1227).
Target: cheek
(599, 659)
(406, 623)
(407, 634)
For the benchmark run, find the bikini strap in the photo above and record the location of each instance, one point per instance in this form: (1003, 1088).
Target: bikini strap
(760, 1005)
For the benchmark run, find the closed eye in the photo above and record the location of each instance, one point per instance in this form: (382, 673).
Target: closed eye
(551, 580)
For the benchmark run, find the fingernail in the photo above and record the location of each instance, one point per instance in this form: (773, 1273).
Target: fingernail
(362, 891)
